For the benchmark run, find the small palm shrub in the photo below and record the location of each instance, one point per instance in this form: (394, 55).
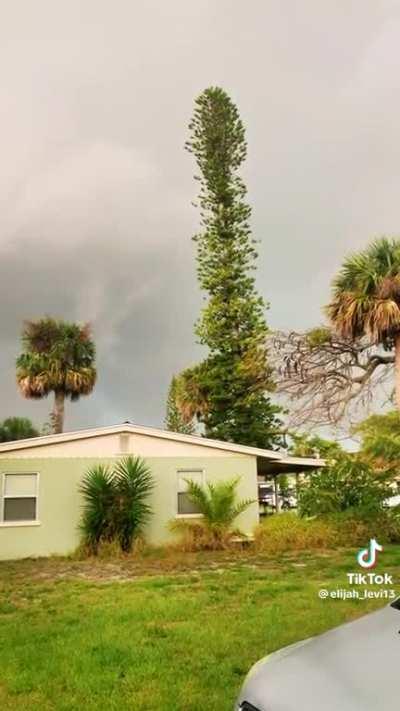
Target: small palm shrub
(217, 503)
(115, 505)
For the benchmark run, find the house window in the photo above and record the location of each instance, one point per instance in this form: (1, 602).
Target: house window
(185, 505)
(20, 494)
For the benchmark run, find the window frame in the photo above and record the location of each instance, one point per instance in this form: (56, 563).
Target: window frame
(26, 522)
(179, 474)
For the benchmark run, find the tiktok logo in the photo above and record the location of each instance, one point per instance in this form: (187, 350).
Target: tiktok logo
(367, 557)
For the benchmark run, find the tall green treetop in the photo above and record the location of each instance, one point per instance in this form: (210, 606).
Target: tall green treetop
(233, 382)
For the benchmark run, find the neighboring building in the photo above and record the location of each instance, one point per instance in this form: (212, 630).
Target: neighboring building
(40, 503)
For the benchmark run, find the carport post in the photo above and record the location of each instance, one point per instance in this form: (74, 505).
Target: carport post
(276, 493)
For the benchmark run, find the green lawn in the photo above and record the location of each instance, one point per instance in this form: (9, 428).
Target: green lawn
(152, 635)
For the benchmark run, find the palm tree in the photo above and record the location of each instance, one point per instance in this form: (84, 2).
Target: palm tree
(366, 299)
(219, 508)
(190, 393)
(58, 357)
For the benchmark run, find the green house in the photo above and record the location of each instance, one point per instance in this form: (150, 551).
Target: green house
(40, 503)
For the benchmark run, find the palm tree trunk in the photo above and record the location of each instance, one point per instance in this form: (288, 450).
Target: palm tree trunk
(397, 369)
(58, 412)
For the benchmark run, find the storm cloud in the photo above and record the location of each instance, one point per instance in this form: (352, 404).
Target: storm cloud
(96, 189)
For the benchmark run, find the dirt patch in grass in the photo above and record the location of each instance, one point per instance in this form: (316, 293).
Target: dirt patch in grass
(154, 562)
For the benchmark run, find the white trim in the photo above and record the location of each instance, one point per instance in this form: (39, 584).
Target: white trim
(136, 429)
(302, 461)
(270, 455)
(14, 524)
(5, 496)
(188, 471)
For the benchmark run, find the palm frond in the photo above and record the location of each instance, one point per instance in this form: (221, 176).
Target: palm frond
(134, 484)
(57, 356)
(366, 293)
(97, 489)
(217, 501)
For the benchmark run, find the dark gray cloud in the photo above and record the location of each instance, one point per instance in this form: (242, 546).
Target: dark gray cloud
(95, 187)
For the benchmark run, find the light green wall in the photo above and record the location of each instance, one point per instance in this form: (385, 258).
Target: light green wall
(60, 502)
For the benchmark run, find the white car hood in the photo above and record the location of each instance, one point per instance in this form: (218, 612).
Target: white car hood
(355, 667)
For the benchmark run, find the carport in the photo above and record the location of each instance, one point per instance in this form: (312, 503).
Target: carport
(272, 469)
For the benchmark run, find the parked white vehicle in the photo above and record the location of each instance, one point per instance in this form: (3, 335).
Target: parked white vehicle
(354, 667)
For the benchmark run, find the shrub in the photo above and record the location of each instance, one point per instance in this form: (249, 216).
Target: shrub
(348, 483)
(288, 532)
(219, 509)
(357, 527)
(115, 504)
(133, 484)
(98, 491)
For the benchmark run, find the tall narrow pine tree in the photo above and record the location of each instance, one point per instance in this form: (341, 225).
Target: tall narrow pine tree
(235, 378)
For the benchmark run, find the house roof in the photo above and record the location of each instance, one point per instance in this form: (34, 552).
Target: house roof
(266, 455)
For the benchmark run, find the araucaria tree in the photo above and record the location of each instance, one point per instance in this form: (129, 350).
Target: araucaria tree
(174, 420)
(59, 358)
(228, 392)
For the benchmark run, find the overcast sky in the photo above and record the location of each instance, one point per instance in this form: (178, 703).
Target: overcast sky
(96, 188)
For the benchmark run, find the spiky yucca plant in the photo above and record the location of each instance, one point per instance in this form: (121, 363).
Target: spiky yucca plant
(98, 491)
(366, 298)
(59, 358)
(133, 485)
(217, 502)
(115, 503)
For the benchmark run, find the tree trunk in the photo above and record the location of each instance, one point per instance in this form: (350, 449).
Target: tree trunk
(58, 412)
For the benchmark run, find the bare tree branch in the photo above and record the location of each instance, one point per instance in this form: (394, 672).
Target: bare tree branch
(327, 379)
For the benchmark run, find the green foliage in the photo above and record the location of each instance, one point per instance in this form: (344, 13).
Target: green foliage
(314, 446)
(14, 428)
(287, 532)
(317, 337)
(347, 483)
(133, 485)
(284, 485)
(115, 503)
(217, 502)
(380, 441)
(174, 419)
(98, 491)
(366, 294)
(232, 384)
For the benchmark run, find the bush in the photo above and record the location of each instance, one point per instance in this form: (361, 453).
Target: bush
(194, 536)
(355, 528)
(288, 532)
(347, 483)
(115, 504)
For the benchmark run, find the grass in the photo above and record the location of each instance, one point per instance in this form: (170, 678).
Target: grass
(176, 633)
